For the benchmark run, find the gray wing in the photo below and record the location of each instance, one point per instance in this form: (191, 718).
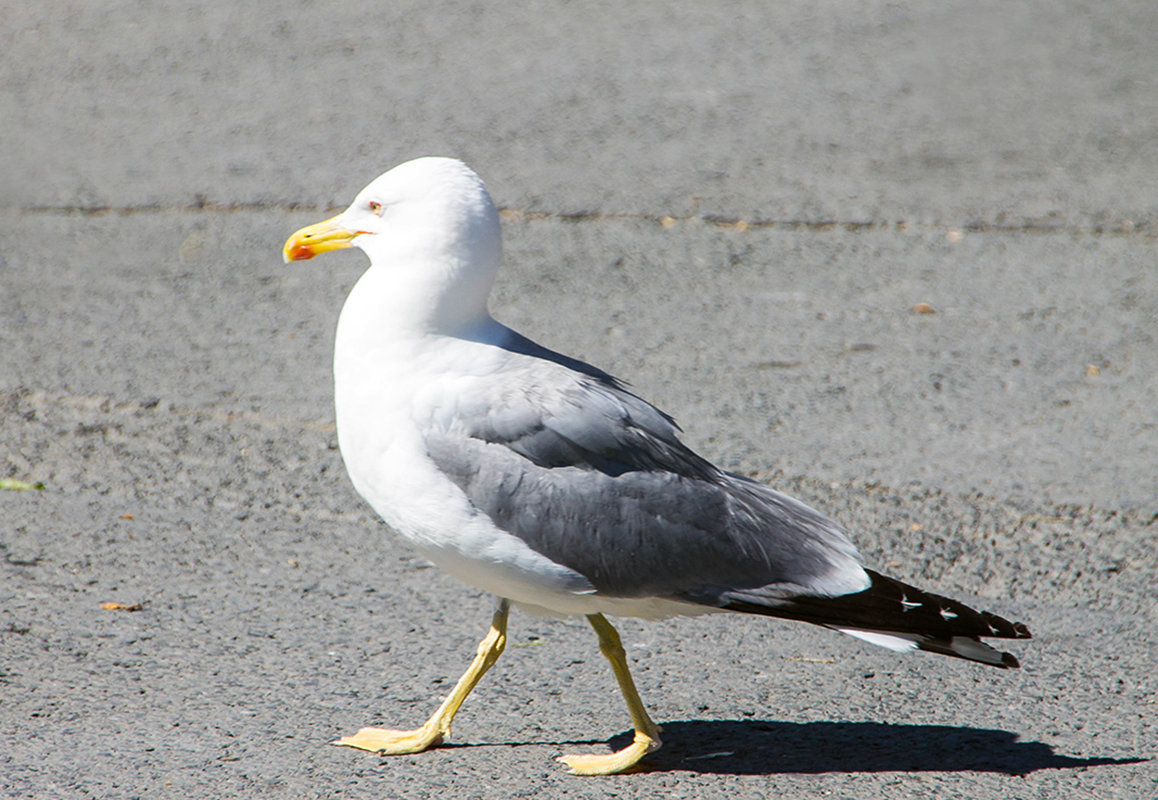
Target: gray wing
(596, 479)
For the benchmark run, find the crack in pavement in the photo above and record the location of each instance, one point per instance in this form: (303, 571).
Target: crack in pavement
(1100, 224)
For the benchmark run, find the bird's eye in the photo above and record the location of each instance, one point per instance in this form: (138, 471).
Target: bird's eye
(376, 207)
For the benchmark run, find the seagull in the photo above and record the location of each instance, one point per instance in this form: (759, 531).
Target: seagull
(544, 481)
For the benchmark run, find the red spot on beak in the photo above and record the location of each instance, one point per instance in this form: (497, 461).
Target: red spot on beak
(301, 252)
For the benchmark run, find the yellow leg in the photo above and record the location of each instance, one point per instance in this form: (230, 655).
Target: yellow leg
(437, 728)
(646, 732)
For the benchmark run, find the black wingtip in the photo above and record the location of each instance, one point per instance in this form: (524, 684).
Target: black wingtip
(1003, 628)
(889, 607)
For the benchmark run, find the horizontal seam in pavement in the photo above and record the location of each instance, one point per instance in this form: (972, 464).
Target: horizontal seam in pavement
(1107, 226)
(107, 404)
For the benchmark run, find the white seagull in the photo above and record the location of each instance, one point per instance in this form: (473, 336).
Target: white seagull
(542, 480)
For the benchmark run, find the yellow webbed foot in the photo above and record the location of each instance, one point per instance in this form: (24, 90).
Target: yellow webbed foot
(646, 732)
(612, 763)
(394, 743)
(437, 728)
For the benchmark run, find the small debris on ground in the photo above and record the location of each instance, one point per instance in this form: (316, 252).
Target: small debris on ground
(20, 486)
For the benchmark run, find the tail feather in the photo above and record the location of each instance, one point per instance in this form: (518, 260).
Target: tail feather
(966, 647)
(894, 615)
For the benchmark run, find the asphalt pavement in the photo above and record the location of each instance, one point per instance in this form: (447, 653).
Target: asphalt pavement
(896, 259)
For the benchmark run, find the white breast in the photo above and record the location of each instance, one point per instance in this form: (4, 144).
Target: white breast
(385, 392)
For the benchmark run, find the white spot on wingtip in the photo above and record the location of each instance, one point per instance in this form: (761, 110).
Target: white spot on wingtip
(897, 642)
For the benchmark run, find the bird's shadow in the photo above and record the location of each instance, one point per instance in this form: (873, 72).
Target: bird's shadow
(769, 747)
(761, 747)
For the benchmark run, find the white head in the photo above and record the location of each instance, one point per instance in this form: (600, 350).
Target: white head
(432, 234)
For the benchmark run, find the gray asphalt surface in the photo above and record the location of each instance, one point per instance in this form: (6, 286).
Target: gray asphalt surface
(736, 207)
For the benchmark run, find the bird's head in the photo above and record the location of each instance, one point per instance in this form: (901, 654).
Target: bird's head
(431, 224)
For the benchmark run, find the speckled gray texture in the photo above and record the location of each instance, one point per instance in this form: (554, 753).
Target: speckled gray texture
(734, 207)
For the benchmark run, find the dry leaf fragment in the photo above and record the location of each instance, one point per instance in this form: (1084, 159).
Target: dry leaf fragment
(113, 605)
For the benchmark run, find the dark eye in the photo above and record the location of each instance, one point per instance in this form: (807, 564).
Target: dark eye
(376, 207)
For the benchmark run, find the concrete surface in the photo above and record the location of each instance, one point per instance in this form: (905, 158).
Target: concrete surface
(734, 206)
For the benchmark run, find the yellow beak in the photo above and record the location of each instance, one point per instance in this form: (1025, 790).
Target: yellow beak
(321, 237)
